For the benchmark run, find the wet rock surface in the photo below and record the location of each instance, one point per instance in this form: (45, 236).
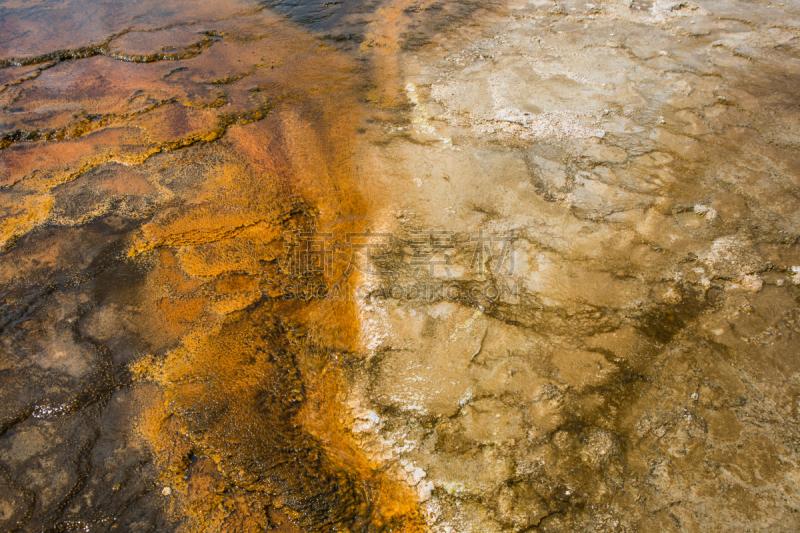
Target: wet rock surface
(153, 164)
(583, 315)
(637, 369)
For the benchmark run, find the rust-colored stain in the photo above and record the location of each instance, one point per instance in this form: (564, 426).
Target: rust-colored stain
(222, 137)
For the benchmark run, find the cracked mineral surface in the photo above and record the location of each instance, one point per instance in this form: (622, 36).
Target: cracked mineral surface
(400, 266)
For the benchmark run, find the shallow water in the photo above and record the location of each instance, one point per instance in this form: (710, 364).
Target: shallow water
(399, 266)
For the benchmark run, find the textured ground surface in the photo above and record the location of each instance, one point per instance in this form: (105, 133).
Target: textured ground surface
(582, 314)
(642, 373)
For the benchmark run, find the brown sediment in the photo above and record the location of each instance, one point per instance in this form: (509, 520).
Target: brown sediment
(578, 404)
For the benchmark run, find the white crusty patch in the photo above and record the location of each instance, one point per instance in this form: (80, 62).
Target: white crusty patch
(558, 124)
